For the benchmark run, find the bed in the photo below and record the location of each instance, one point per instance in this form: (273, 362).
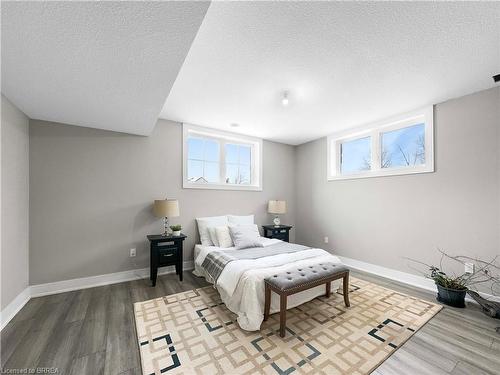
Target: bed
(241, 282)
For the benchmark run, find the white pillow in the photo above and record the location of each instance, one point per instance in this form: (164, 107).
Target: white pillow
(240, 220)
(204, 223)
(245, 236)
(213, 236)
(223, 236)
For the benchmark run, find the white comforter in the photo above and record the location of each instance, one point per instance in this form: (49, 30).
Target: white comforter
(241, 283)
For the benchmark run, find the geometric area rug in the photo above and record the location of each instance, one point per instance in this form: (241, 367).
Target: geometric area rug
(194, 333)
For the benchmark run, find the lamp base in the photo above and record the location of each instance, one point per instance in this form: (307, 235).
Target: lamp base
(277, 221)
(167, 232)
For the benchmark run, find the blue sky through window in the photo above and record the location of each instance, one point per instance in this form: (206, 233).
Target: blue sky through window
(355, 155)
(399, 148)
(203, 160)
(238, 164)
(403, 147)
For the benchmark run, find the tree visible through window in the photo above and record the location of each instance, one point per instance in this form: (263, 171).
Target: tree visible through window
(216, 159)
(403, 147)
(400, 145)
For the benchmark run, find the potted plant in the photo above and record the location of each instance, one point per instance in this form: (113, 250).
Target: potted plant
(176, 229)
(451, 290)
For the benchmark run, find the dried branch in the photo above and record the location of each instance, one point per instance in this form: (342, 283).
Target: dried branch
(484, 272)
(404, 155)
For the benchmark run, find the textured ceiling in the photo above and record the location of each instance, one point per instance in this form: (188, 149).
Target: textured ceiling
(106, 65)
(343, 63)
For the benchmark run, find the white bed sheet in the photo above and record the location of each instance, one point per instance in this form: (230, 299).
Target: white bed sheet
(241, 284)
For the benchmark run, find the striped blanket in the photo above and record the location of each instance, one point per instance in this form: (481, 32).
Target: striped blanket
(217, 260)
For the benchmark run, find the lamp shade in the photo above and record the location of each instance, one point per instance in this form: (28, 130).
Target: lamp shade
(276, 207)
(166, 208)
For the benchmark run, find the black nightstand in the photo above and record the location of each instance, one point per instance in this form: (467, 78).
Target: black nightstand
(165, 251)
(281, 232)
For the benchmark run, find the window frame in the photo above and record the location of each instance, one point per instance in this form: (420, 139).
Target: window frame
(375, 131)
(223, 137)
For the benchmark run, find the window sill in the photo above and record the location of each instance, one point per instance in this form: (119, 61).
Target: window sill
(222, 187)
(384, 173)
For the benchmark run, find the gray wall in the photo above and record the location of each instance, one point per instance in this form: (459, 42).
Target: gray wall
(92, 192)
(381, 220)
(15, 202)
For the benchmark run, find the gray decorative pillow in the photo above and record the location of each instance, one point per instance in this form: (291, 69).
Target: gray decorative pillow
(245, 236)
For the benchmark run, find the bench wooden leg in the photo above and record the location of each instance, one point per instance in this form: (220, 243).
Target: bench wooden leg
(328, 289)
(267, 302)
(345, 283)
(282, 314)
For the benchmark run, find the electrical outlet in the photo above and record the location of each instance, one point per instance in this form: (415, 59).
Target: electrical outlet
(326, 239)
(469, 267)
(132, 252)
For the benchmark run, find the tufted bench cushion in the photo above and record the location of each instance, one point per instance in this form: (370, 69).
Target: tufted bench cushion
(303, 278)
(305, 275)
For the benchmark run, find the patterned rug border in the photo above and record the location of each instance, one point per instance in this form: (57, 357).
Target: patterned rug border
(352, 281)
(409, 337)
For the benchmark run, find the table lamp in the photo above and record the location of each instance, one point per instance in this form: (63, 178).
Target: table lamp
(277, 208)
(166, 208)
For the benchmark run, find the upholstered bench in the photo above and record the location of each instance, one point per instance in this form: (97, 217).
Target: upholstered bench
(291, 282)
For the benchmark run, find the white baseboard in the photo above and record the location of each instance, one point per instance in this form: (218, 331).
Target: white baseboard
(100, 280)
(416, 281)
(75, 284)
(388, 273)
(13, 308)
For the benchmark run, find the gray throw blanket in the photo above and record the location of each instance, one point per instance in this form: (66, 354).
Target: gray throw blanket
(217, 260)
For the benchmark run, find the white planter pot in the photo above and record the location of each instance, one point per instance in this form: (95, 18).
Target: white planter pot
(176, 233)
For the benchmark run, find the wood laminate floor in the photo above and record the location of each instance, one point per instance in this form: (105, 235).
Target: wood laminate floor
(91, 331)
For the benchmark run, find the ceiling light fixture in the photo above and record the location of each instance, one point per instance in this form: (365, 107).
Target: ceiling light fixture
(284, 101)
(234, 125)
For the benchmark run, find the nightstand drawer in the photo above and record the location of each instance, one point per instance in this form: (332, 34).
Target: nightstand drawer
(167, 255)
(277, 232)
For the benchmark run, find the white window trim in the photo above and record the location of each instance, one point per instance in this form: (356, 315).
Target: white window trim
(374, 130)
(223, 136)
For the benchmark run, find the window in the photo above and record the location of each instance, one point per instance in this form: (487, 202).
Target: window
(221, 160)
(402, 145)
